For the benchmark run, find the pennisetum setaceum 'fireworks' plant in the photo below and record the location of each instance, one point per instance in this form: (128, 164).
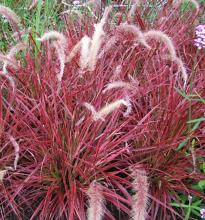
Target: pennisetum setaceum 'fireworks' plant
(91, 127)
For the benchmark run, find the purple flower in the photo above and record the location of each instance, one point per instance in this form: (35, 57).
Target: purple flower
(200, 36)
(76, 2)
(202, 212)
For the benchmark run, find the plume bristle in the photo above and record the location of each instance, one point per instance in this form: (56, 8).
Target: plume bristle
(97, 40)
(96, 202)
(140, 198)
(116, 85)
(16, 150)
(85, 50)
(2, 174)
(162, 37)
(11, 16)
(136, 32)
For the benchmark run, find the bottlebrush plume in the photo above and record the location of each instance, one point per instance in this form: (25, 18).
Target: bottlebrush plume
(162, 37)
(10, 15)
(53, 35)
(11, 80)
(115, 85)
(85, 50)
(74, 51)
(11, 54)
(61, 57)
(182, 69)
(16, 150)
(97, 39)
(2, 174)
(107, 109)
(4, 59)
(140, 198)
(5, 74)
(136, 31)
(96, 202)
(59, 45)
(22, 33)
(94, 113)
(109, 45)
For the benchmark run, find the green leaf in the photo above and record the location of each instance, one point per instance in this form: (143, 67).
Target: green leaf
(201, 184)
(182, 144)
(196, 120)
(183, 94)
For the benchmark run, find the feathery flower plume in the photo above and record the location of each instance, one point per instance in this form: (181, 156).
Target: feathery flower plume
(177, 3)
(162, 37)
(97, 39)
(10, 16)
(108, 46)
(16, 149)
(116, 72)
(107, 109)
(136, 31)
(85, 50)
(2, 174)
(61, 57)
(73, 52)
(5, 74)
(11, 55)
(96, 202)
(129, 107)
(140, 198)
(182, 68)
(116, 85)
(94, 113)
(11, 81)
(54, 35)
(59, 45)
(22, 33)
(4, 59)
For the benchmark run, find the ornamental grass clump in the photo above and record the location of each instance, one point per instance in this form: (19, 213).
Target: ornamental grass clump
(97, 129)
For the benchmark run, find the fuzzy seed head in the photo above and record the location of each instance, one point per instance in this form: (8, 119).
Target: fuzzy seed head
(97, 40)
(136, 32)
(162, 37)
(85, 50)
(11, 54)
(96, 202)
(16, 150)
(109, 45)
(54, 35)
(182, 69)
(61, 57)
(10, 16)
(116, 85)
(2, 174)
(73, 52)
(4, 59)
(140, 198)
(107, 109)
